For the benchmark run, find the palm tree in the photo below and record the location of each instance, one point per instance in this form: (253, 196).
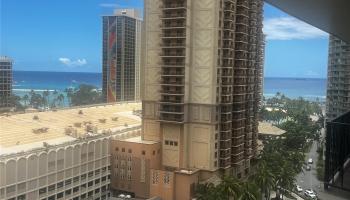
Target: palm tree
(249, 192)
(46, 96)
(69, 92)
(264, 179)
(230, 188)
(25, 98)
(206, 191)
(55, 93)
(60, 99)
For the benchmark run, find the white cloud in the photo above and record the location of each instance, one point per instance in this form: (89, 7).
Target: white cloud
(289, 28)
(312, 73)
(73, 63)
(109, 5)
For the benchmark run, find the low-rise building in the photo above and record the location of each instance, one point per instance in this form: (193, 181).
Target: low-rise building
(62, 154)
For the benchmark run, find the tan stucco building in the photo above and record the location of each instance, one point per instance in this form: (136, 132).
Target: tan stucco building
(201, 83)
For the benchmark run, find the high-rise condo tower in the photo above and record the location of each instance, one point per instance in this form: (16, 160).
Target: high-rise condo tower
(121, 56)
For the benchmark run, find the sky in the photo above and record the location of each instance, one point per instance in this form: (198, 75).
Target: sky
(66, 35)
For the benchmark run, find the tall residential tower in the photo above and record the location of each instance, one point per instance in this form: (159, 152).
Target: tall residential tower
(5, 82)
(202, 64)
(202, 81)
(338, 88)
(122, 56)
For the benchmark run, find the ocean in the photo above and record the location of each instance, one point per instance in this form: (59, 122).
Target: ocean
(25, 81)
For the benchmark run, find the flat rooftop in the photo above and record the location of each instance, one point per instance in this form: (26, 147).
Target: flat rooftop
(139, 140)
(25, 130)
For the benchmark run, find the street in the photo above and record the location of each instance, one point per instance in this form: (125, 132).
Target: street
(308, 180)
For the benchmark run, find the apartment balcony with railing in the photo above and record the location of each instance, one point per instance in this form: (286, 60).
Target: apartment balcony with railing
(226, 99)
(225, 162)
(169, 43)
(237, 150)
(171, 34)
(226, 144)
(174, 5)
(172, 109)
(226, 126)
(174, 14)
(225, 135)
(170, 117)
(238, 123)
(226, 117)
(238, 133)
(239, 98)
(237, 159)
(225, 72)
(173, 72)
(171, 100)
(226, 109)
(174, 24)
(241, 38)
(228, 35)
(225, 153)
(166, 53)
(239, 90)
(240, 80)
(172, 80)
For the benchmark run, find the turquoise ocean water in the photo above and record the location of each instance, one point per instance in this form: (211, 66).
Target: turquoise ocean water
(25, 81)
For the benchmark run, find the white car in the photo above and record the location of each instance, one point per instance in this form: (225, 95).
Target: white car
(311, 194)
(310, 161)
(299, 189)
(308, 168)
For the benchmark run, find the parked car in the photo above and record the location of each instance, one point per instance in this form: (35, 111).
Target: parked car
(308, 168)
(299, 189)
(310, 161)
(310, 193)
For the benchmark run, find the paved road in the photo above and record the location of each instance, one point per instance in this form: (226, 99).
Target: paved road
(308, 180)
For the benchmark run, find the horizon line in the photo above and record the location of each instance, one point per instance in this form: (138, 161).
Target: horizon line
(287, 77)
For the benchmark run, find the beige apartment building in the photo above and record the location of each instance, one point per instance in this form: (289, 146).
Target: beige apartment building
(201, 90)
(63, 154)
(202, 81)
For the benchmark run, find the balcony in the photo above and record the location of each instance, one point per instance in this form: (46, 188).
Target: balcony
(173, 25)
(168, 5)
(174, 15)
(238, 133)
(166, 117)
(173, 45)
(225, 144)
(225, 163)
(225, 135)
(237, 159)
(237, 150)
(173, 34)
(172, 80)
(173, 72)
(237, 142)
(171, 109)
(173, 53)
(225, 154)
(338, 153)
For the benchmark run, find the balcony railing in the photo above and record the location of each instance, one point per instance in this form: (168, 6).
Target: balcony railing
(337, 152)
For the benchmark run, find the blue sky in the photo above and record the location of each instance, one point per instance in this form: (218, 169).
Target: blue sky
(65, 35)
